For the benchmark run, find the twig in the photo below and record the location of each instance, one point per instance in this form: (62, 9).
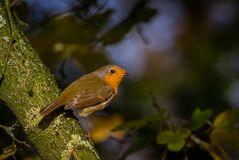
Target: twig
(155, 103)
(98, 9)
(208, 148)
(9, 17)
(10, 133)
(210, 123)
(61, 70)
(141, 35)
(13, 3)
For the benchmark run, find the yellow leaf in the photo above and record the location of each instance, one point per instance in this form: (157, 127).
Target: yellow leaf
(227, 118)
(221, 136)
(103, 126)
(8, 151)
(225, 133)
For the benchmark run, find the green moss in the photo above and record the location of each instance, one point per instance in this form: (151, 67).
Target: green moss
(2, 21)
(76, 143)
(26, 88)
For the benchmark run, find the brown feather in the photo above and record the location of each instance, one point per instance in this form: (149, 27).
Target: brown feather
(90, 97)
(51, 107)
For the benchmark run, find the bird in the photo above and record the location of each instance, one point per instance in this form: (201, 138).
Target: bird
(91, 92)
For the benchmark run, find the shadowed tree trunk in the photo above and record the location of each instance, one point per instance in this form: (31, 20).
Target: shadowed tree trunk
(26, 86)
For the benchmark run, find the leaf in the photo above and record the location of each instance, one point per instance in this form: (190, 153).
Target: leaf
(176, 146)
(199, 117)
(8, 151)
(165, 137)
(155, 118)
(146, 14)
(228, 118)
(140, 13)
(225, 136)
(137, 124)
(226, 131)
(100, 19)
(103, 125)
(175, 139)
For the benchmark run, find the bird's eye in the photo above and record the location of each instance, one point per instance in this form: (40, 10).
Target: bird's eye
(112, 71)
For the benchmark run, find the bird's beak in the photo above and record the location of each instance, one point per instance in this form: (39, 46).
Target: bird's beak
(126, 74)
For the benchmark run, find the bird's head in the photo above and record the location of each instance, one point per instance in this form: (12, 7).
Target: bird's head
(112, 75)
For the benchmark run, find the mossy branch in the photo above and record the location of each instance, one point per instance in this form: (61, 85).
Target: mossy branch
(26, 86)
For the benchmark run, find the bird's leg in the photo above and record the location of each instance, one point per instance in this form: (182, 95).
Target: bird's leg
(87, 127)
(78, 114)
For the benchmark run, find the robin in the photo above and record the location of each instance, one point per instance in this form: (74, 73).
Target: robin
(91, 92)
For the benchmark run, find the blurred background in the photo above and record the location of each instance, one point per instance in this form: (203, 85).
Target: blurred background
(185, 53)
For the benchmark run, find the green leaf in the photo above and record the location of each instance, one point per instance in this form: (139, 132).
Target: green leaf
(176, 146)
(165, 137)
(199, 117)
(154, 118)
(137, 124)
(175, 139)
(183, 133)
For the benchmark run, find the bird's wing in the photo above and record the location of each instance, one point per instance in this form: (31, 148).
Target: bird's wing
(90, 97)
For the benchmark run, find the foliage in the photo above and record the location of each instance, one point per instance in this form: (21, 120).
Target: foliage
(102, 126)
(199, 118)
(175, 139)
(140, 14)
(8, 151)
(146, 120)
(222, 132)
(225, 131)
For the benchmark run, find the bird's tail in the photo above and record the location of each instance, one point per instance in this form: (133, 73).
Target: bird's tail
(46, 110)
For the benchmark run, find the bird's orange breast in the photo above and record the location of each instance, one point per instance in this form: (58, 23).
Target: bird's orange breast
(113, 81)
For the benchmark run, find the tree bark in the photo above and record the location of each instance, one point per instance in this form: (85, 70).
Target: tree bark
(26, 86)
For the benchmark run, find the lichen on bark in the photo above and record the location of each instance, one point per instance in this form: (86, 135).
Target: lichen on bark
(26, 87)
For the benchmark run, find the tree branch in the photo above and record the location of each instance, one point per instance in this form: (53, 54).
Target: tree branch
(27, 86)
